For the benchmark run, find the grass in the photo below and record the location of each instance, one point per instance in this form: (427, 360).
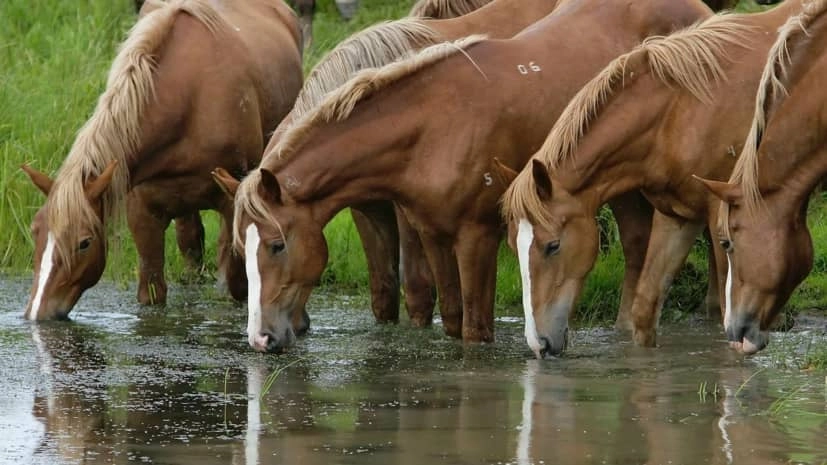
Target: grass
(54, 56)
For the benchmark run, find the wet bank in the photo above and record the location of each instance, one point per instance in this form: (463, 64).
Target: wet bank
(124, 384)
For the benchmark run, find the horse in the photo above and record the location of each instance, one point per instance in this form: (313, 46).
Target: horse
(648, 121)
(380, 227)
(158, 130)
(433, 158)
(762, 219)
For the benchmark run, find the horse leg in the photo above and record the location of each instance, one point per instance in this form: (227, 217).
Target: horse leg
(476, 248)
(443, 262)
(417, 279)
(376, 224)
(633, 214)
(232, 275)
(305, 9)
(148, 232)
(669, 244)
(712, 301)
(189, 234)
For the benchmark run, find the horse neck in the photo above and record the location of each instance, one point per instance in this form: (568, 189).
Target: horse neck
(792, 157)
(615, 153)
(342, 163)
(499, 19)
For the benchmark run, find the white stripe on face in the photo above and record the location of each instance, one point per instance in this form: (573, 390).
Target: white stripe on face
(525, 237)
(251, 242)
(728, 294)
(46, 264)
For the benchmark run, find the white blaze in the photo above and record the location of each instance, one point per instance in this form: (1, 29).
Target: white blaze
(728, 294)
(251, 242)
(46, 264)
(525, 237)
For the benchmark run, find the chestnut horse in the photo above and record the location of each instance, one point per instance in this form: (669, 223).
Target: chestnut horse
(424, 132)
(763, 223)
(376, 222)
(159, 128)
(648, 121)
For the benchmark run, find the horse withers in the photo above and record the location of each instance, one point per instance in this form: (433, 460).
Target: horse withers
(190, 89)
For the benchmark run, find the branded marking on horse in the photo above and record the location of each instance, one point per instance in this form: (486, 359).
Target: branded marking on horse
(46, 264)
(525, 237)
(532, 67)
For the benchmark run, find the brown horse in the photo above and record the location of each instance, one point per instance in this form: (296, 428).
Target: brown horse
(380, 227)
(434, 158)
(648, 122)
(191, 89)
(763, 223)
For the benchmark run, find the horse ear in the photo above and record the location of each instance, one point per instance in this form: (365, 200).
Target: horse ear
(542, 179)
(728, 192)
(225, 181)
(504, 174)
(40, 180)
(95, 186)
(269, 187)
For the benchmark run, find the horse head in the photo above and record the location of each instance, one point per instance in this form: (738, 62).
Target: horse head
(556, 241)
(63, 270)
(285, 254)
(769, 252)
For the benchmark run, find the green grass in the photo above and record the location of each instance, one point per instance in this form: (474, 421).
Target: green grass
(54, 56)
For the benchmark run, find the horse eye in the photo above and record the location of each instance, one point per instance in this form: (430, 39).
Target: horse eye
(727, 245)
(276, 247)
(552, 248)
(84, 244)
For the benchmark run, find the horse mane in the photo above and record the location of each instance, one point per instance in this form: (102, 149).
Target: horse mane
(771, 90)
(445, 9)
(373, 47)
(688, 58)
(113, 132)
(336, 106)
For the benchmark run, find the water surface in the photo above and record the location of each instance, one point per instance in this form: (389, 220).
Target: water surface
(124, 384)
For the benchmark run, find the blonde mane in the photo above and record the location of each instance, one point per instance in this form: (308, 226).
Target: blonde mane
(689, 58)
(336, 106)
(113, 133)
(771, 90)
(373, 47)
(445, 9)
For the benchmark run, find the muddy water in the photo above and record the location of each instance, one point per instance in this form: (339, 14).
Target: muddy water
(121, 384)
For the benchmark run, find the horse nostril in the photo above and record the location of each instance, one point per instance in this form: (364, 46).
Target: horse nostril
(274, 346)
(551, 350)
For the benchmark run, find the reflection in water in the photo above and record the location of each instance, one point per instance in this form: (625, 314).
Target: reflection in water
(383, 395)
(254, 381)
(524, 442)
(723, 422)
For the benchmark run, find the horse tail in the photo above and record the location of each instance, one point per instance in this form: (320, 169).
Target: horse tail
(445, 9)
(373, 47)
(771, 90)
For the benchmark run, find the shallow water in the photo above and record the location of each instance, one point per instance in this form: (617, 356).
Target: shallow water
(122, 384)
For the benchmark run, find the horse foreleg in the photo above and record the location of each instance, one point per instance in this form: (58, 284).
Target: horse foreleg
(443, 262)
(476, 248)
(376, 224)
(417, 279)
(148, 232)
(232, 275)
(669, 244)
(305, 10)
(633, 214)
(189, 234)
